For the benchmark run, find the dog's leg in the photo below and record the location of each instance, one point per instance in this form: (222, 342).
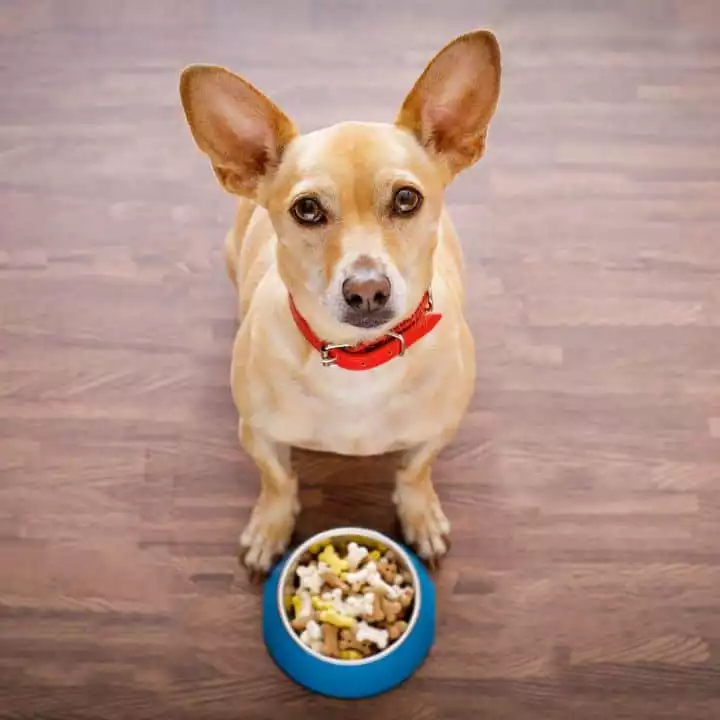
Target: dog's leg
(273, 517)
(423, 522)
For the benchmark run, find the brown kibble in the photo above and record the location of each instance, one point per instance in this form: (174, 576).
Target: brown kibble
(397, 629)
(377, 614)
(407, 596)
(330, 640)
(390, 557)
(388, 570)
(348, 641)
(407, 576)
(334, 581)
(357, 588)
(300, 624)
(391, 609)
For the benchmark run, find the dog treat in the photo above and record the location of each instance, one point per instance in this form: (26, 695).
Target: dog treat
(335, 618)
(300, 623)
(370, 575)
(348, 641)
(302, 604)
(355, 555)
(330, 600)
(333, 580)
(407, 595)
(352, 606)
(350, 655)
(388, 570)
(335, 564)
(330, 640)
(312, 636)
(390, 591)
(373, 635)
(392, 609)
(360, 605)
(396, 630)
(303, 609)
(361, 576)
(350, 601)
(376, 614)
(311, 576)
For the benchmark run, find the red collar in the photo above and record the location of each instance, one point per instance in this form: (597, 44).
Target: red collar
(366, 356)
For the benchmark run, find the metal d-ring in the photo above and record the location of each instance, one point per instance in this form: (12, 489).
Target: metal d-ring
(400, 339)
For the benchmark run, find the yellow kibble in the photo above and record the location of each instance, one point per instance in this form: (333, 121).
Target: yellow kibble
(330, 557)
(375, 555)
(296, 605)
(333, 618)
(288, 600)
(350, 655)
(320, 604)
(318, 547)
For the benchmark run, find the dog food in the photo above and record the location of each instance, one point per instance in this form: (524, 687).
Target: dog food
(350, 601)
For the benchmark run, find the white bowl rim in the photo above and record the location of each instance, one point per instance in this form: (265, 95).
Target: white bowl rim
(373, 535)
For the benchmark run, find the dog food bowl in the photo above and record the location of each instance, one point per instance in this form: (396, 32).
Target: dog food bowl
(348, 678)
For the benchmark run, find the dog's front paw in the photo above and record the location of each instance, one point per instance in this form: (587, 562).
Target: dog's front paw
(423, 521)
(268, 533)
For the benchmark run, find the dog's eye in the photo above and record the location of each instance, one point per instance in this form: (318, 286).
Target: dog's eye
(308, 211)
(406, 201)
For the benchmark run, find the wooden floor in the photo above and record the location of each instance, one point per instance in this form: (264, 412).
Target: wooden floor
(584, 487)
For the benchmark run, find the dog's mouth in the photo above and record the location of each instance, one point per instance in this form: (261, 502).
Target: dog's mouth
(368, 321)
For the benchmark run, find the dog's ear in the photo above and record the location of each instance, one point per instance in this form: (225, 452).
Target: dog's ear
(242, 132)
(450, 106)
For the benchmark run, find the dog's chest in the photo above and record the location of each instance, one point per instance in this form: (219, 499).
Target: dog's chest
(358, 413)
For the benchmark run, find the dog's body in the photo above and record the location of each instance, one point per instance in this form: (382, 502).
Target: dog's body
(354, 270)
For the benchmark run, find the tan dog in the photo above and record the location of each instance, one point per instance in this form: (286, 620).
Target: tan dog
(340, 247)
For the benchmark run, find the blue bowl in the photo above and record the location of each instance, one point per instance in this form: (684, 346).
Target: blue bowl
(348, 678)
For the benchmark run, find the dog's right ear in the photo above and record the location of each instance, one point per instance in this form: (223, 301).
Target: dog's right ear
(236, 126)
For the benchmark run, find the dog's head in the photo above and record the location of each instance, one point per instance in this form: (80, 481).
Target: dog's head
(355, 206)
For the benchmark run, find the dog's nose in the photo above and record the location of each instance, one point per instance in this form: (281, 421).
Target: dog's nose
(367, 294)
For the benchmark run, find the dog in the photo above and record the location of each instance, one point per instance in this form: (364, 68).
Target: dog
(352, 338)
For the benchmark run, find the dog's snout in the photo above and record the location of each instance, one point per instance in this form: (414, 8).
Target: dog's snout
(367, 294)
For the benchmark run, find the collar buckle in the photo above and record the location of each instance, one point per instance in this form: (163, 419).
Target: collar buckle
(326, 358)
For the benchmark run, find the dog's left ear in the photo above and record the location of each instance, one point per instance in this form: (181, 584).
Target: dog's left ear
(450, 107)
(235, 125)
